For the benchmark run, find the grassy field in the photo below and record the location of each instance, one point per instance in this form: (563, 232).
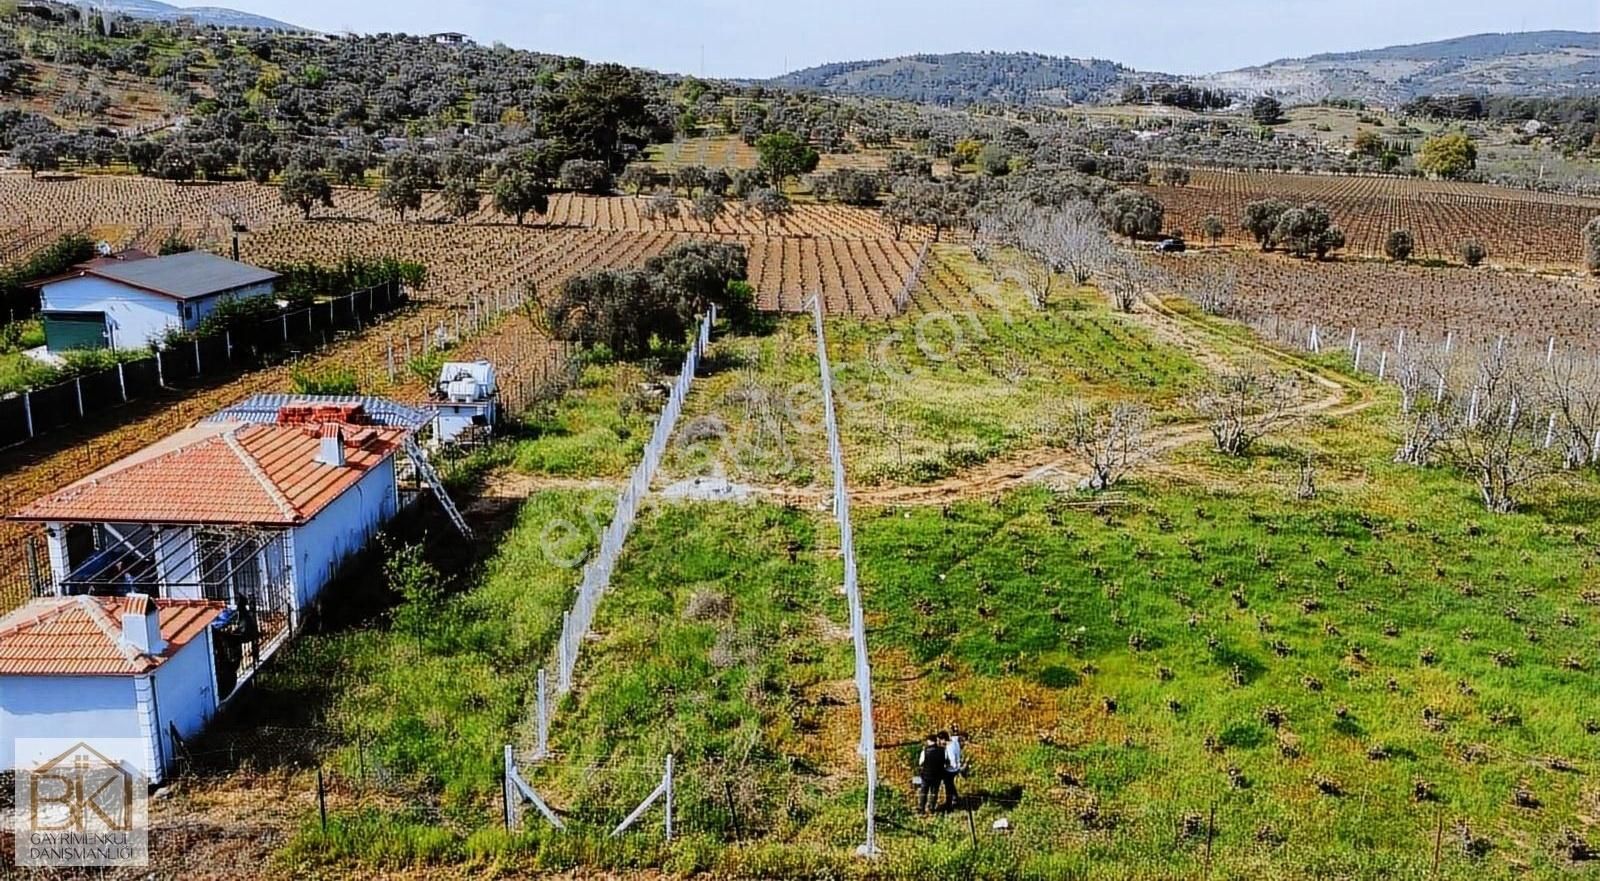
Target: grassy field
(1334, 677)
(926, 395)
(1206, 674)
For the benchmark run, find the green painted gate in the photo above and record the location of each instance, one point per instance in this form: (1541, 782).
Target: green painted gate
(64, 331)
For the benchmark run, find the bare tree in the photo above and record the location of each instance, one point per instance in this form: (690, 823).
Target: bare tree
(1570, 385)
(1122, 278)
(1423, 428)
(662, 204)
(1212, 291)
(1241, 406)
(1497, 436)
(1113, 438)
(1070, 240)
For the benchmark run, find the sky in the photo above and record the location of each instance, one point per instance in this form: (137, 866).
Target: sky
(762, 38)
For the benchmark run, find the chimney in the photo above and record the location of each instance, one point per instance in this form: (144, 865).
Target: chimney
(141, 625)
(331, 451)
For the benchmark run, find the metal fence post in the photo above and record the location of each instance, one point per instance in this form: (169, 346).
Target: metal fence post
(197, 370)
(77, 386)
(122, 382)
(669, 796)
(542, 723)
(27, 410)
(509, 809)
(161, 373)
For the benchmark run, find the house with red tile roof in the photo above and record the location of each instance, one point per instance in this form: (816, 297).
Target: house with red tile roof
(254, 508)
(128, 667)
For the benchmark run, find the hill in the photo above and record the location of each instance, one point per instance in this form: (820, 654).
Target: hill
(1538, 63)
(965, 78)
(153, 10)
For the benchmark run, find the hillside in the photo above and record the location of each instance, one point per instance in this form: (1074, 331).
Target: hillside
(965, 78)
(154, 10)
(1541, 63)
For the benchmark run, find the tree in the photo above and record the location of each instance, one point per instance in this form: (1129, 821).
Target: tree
(1240, 407)
(849, 186)
(585, 176)
(600, 113)
(1591, 245)
(1472, 252)
(1261, 220)
(1266, 110)
(1112, 438)
(461, 197)
(1497, 435)
(662, 205)
(259, 162)
(38, 154)
(1399, 244)
(400, 194)
(305, 189)
(1068, 240)
(1307, 230)
(689, 178)
(1367, 143)
(994, 161)
(176, 163)
(517, 192)
(1132, 213)
(769, 203)
(636, 177)
(1212, 227)
(1450, 155)
(349, 167)
(1175, 176)
(708, 208)
(783, 155)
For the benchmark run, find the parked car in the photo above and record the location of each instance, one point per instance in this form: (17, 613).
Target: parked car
(1171, 246)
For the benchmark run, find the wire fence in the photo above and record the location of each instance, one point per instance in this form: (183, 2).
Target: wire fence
(858, 627)
(38, 411)
(575, 622)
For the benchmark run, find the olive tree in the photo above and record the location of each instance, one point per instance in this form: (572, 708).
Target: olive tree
(305, 189)
(1132, 213)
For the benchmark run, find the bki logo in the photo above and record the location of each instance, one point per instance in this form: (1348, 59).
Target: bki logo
(81, 790)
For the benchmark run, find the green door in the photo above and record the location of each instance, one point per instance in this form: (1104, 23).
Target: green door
(64, 331)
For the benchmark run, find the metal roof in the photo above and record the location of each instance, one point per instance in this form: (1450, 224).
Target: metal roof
(184, 276)
(263, 410)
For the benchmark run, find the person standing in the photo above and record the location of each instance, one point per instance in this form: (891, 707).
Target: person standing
(930, 774)
(952, 766)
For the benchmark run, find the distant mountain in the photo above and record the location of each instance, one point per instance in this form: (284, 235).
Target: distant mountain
(1536, 63)
(153, 10)
(965, 78)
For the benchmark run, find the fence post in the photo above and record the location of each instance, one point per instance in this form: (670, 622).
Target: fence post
(508, 808)
(322, 800)
(285, 327)
(122, 382)
(161, 372)
(27, 410)
(391, 360)
(543, 721)
(197, 370)
(227, 342)
(77, 386)
(669, 796)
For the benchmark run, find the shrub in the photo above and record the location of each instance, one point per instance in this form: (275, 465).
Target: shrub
(1472, 252)
(1398, 244)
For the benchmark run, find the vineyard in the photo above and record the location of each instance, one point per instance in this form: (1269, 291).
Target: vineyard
(1468, 304)
(1517, 227)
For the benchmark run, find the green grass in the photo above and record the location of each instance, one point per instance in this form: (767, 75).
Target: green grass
(1018, 622)
(598, 430)
(924, 396)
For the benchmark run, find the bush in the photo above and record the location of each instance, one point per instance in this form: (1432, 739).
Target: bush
(326, 381)
(1399, 244)
(1473, 252)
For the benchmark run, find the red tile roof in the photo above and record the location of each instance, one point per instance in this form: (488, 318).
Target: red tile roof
(222, 473)
(82, 636)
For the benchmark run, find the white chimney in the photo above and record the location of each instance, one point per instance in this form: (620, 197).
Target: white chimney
(141, 625)
(331, 452)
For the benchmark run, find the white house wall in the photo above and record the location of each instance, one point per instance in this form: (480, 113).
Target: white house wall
(175, 561)
(136, 318)
(65, 706)
(341, 529)
(186, 688)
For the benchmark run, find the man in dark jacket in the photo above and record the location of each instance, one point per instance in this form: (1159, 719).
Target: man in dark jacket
(930, 774)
